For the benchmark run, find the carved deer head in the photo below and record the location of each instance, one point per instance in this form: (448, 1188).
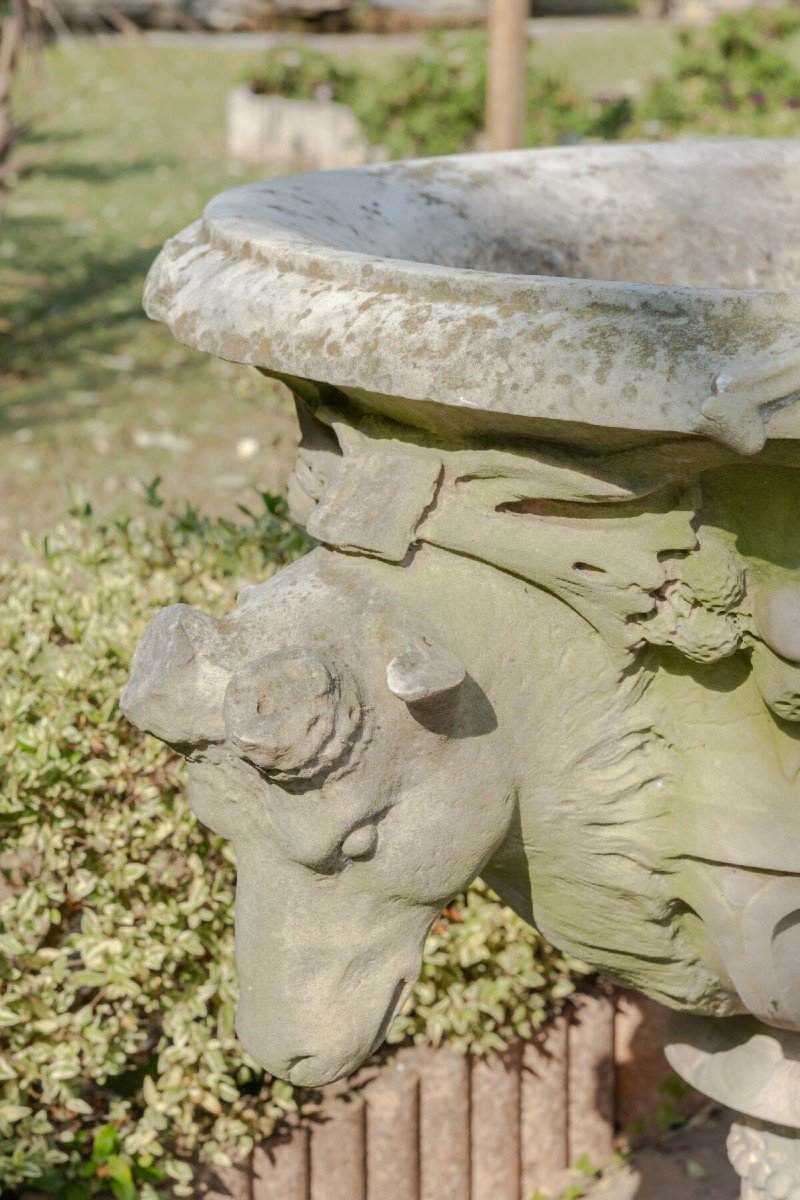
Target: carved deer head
(344, 750)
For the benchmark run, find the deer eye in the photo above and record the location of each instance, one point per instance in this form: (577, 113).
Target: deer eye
(361, 843)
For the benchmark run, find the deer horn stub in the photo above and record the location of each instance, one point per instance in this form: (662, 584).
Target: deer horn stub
(291, 715)
(176, 685)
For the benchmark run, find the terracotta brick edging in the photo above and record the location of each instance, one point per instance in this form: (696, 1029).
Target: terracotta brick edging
(434, 1124)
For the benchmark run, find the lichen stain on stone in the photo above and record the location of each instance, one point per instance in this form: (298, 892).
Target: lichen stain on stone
(372, 273)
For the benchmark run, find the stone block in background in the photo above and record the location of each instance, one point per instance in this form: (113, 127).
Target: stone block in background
(304, 135)
(228, 16)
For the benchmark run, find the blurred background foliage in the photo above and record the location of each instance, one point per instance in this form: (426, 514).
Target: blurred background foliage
(737, 77)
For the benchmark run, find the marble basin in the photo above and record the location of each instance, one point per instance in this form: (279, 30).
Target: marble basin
(618, 286)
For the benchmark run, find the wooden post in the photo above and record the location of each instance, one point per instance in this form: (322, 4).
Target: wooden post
(496, 1125)
(544, 1144)
(505, 102)
(339, 1150)
(590, 1084)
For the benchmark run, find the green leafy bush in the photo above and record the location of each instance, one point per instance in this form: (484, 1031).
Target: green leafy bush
(118, 1058)
(487, 978)
(432, 102)
(739, 65)
(733, 78)
(428, 103)
(297, 73)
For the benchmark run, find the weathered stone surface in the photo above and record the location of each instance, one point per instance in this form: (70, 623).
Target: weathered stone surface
(377, 510)
(741, 1063)
(755, 1070)
(303, 135)
(551, 440)
(767, 1158)
(714, 356)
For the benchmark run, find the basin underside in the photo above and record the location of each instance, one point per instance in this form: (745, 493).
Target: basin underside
(619, 286)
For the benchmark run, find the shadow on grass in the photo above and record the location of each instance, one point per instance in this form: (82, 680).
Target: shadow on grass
(68, 297)
(74, 304)
(106, 172)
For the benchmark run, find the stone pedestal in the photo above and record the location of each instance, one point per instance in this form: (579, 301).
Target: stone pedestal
(754, 1070)
(767, 1157)
(551, 635)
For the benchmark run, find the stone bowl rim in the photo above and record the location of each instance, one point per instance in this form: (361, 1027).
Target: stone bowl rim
(222, 208)
(235, 285)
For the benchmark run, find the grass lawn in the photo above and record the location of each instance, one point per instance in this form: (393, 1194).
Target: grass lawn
(91, 393)
(129, 150)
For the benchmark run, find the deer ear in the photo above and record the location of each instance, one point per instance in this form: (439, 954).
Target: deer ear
(424, 672)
